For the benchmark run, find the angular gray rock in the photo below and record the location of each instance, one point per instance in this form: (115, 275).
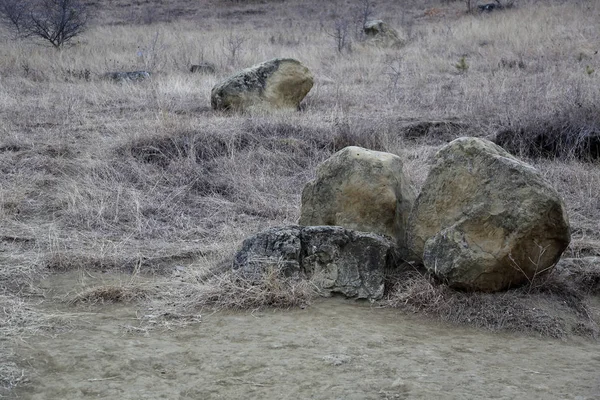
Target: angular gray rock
(485, 220)
(280, 83)
(335, 259)
(360, 189)
(121, 77)
(274, 248)
(203, 68)
(381, 34)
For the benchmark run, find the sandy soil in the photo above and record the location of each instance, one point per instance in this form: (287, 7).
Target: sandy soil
(334, 349)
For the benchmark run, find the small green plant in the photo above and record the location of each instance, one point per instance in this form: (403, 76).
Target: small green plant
(462, 65)
(589, 70)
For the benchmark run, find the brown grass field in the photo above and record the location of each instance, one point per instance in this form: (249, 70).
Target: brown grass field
(145, 179)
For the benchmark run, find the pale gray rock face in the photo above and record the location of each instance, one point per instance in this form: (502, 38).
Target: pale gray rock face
(485, 220)
(280, 84)
(335, 259)
(360, 189)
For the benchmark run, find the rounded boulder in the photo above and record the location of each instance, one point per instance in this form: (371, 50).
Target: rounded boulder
(281, 83)
(360, 189)
(485, 220)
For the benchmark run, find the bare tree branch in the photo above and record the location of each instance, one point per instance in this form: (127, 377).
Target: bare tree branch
(56, 21)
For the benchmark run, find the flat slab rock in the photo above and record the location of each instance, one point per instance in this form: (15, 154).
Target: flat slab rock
(336, 259)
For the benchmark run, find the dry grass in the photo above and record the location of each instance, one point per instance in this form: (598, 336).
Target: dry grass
(102, 176)
(232, 291)
(552, 307)
(111, 294)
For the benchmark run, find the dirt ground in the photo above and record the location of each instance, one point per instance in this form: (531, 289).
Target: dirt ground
(333, 349)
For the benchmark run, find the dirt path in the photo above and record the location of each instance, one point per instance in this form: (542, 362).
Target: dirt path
(334, 349)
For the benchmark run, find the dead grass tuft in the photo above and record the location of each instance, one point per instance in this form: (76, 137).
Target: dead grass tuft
(232, 291)
(10, 375)
(537, 309)
(571, 133)
(111, 294)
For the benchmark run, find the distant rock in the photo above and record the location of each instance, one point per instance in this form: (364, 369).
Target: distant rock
(280, 83)
(485, 220)
(360, 189)
(337, 260)
(203, 68)
(489, 7)
(381, 34)
(121, 77)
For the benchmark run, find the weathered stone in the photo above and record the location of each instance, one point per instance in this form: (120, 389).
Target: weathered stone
(277, 247)
(360, 189)
(133, 76)
(381, 34)
(203, 68)
(337, 260)
(485, 220)
(280, 83)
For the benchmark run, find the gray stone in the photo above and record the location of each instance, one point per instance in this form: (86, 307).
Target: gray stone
(121, 77)
(274, 248)
(335, 259)
(280, 83)
(203, 68)
(381, 34)
(360, 189)
(485, 220)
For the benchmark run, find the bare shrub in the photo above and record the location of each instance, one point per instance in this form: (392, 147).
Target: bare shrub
(364, 13)
(340, 34)
(55, 21)
(233, 48)
(152, 56)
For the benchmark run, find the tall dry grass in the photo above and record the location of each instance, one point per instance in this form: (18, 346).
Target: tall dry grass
(101, 176)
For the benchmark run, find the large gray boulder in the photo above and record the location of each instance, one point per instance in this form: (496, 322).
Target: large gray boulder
(335, 259)
(485, 220)
(381, 34)
(360, 189)
(280, 83)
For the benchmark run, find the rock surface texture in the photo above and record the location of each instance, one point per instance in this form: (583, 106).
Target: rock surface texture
(485, 220)
(335, 259)
(381, 34)
(360, 189)
(121, 77)
(203, 68)
(280, 83)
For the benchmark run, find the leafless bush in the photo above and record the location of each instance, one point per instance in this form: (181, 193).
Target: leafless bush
(55, 21)
(152, 55)
(233, 47)
(340, 34)
(364, 13)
